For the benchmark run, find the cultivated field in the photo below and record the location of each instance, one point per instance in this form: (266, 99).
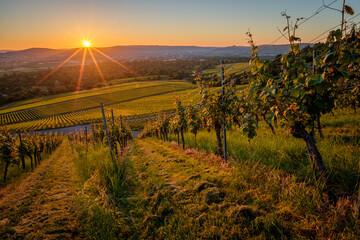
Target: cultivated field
(127, 99)
(230, 68)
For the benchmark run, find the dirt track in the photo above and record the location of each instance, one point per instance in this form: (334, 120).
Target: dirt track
(41, 206)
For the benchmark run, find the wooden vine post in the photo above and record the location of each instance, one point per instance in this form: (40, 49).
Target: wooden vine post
(113, 122)
(107, 131)
(22, 152)
(222, 102)
(86, 140)
(314, 62)
(112, 116)
(357, 205)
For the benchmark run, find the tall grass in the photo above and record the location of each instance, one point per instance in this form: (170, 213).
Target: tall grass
(161, 199)
(255, 201)
(105, 186)
(284, 152)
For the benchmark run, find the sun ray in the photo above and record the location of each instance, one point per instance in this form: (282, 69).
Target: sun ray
(81, 70)
(59, 66)
(100, 72)
(121, 65)
(98, 68)
(80, 78)
(54, 70)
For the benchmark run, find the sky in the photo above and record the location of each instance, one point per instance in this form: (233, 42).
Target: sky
(67, 23)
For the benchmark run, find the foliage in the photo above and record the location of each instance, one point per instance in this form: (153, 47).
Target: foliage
(8, 151)
(289, 91)
(194, 120)
(119, 133)
(298, 96)
(13, 150)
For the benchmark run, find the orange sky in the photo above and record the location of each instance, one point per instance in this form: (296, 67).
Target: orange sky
(66, 23)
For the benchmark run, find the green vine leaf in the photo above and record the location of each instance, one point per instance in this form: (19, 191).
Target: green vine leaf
(314, 80)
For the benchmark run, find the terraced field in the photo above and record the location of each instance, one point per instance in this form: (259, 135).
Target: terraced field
(129, 99)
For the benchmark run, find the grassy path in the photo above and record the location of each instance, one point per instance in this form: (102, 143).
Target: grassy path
(159, 191)
(42, 205)
(180, 197)
(187, 194)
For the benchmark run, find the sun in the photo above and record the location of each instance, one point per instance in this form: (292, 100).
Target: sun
(86, 44)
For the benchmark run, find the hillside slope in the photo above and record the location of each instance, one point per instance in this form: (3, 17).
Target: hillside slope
(170, 193)
(156, 190)
(41, 206)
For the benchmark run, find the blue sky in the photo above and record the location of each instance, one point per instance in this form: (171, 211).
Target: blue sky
(65, 23)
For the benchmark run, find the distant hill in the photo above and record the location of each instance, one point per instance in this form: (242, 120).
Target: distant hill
(4, 51)
(33, 55)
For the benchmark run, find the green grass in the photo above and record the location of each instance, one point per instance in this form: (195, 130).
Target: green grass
(77, 100)
(121, 84)
(137, 79)
(22, 209)
(98, 174)
(230, 68)
(174, 194)
(153, 104)
(282, 151)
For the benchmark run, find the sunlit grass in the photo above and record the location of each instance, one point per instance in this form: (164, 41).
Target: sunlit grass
(164, 200)
(58, 98)
(230, 68)
(100, 175)
(284, 152)
(131, 99)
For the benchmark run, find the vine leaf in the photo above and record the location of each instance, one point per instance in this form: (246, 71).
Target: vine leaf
(349, 10)
(313, 80)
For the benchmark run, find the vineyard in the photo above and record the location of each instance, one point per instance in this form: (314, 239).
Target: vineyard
(307, 104)
(25, 150)
(129, 99)
(265, 192)
(274, 159)
(268, 154)
(117, 135)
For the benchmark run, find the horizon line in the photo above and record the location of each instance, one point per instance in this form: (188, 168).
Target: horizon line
(151, 45)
